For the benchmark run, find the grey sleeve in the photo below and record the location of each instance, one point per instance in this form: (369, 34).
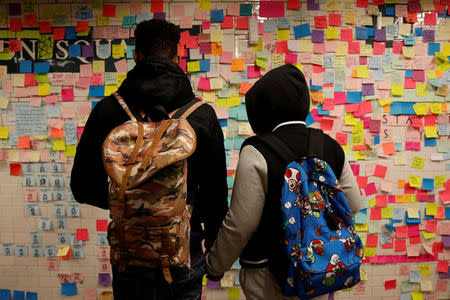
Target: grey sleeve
(242, 219)
(350, 188)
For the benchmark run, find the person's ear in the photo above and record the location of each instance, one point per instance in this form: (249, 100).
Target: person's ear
(176, 60)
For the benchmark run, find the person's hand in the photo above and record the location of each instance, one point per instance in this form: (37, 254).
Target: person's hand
(214, 278)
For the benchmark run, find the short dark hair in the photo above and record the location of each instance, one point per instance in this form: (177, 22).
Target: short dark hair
(157, 38)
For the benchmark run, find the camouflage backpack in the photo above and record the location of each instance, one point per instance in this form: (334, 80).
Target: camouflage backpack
(147, 169)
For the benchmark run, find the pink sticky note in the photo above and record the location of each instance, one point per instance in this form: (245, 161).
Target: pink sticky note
(442, 266)
(291, 58)
(413, 250)
(401, 231)
(444, 228)
(380, 171)
(227, 57)
(253, 72)
(121, 66)
(178, 10)
(204, 84)
(67, 94)
(340, 98)
(35, 101)
(431, 226)
(51, 99)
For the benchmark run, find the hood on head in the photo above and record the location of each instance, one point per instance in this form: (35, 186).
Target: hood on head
(156, 81)
(279, 96)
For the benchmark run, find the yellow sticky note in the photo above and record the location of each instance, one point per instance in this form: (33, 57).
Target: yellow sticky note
(234, 293)
(43, 89)
(63, 250)
(35, 156)
(362, 227)
(209, 96)
(439, 181)
(413, 212)
(425, 270)
(260, 62)
(342, 49)
(350, 18)
(98, 66)
(258, 47)
(59, 145)
(426, 286)
(120, 78)
(222, 102)
(414, 181)
(362, 71)
(430, 131)
(350, 120)
(417, 295)
(282, 34)
(370, 251)
(421, 89)
(431, 74)
(431, 209)
(13, 155)
(436, 108)
(446, 49)
(371, 202)
(397, 89)
(233, 101)
(428, 235)
(418, 162)
(216, 36)
(420, 108)
(332, 33)
(70, 151)
(204, 5)
(204, 280)
(366, 50)
(363, 273)
(109, 89)
(306, 46)
(408, 52)
(387, 212)
(4, 102)
(118, 50)
(193, 66)
(102, 21)
(4, 132)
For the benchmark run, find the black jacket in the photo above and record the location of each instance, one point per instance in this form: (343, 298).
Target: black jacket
(158, 83)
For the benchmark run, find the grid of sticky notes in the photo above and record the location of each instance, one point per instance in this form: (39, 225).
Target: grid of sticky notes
(378, 74)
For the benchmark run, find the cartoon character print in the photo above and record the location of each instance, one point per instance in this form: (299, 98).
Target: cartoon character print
(306, 208)
(335, 268)
(292, 177)
(303, 276)
(349, 282)
(317, 203)
(317, 246)
(341, 225)
(320, 165)
(349, 243)
(296, 254)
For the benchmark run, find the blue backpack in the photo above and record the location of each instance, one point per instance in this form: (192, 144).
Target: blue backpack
(321, 245)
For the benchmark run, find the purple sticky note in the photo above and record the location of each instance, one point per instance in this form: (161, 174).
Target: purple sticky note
(331, 296)
(446, 240)
(380, 35)
(87, 51)
(213, 284)
(159, 16)
(104, 279)
(368, 89)
(428, 36)
(317, 36)
(444, 275)
(311, 5)
(15, 9)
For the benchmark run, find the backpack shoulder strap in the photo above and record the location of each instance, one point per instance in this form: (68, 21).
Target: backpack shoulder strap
(315, 143)
(184, 111)
(124, 106)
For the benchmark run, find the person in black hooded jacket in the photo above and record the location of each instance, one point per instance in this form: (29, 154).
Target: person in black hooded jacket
(154, 87)
(278, 103)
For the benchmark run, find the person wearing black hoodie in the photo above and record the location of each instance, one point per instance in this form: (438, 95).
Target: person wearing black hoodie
(155, 87)
(278, 103)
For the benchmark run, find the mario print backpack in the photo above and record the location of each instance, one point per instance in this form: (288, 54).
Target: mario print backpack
(321, 245)
(147, 169)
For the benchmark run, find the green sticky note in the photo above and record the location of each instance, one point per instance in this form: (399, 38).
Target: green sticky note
(234, 293)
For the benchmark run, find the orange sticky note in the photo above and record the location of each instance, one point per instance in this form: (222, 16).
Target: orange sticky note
(23, 142)
(388, 148)
(244, 87)
(401, 183)
(57, 133)
(237, 65)
(14, 169)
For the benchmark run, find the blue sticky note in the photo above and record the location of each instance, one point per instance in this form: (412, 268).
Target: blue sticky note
(361, 33)
(217, 15)
(96, 91)
(322, 112)
(74, 50)
(398, 147)
(41, 67)
(390, 10)
(410, 221)
(129, 22)
(428, 184)
(447, 212)
(309, 119)
(433, 47)
(32, 296)
(236, 265)
(354, 97)
(370, 31)
(230, 181)
(143, 16)
(69, 289)
(409, 40)
(93, 104)
(228, 143)
(376, 139)
(402, 108)
(339, 87)
(229, 196)
(5, 294)
(71, 33)
(238, 141)
(245, 9)
(130, 49)
(430, 142)
(204, 65)
(408, 73)
(419, 31)
(302, 30)
(18, 295)
(25, 66)
(223, 122)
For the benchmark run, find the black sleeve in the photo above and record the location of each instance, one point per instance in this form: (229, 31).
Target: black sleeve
(88, 179)
(207, 173)
(334, 155)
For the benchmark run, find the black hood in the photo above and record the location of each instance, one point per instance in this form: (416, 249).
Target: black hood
(156, 81)
(279, 96)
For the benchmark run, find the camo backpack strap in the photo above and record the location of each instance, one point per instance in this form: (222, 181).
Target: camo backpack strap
(184, 111)
(124, 106)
